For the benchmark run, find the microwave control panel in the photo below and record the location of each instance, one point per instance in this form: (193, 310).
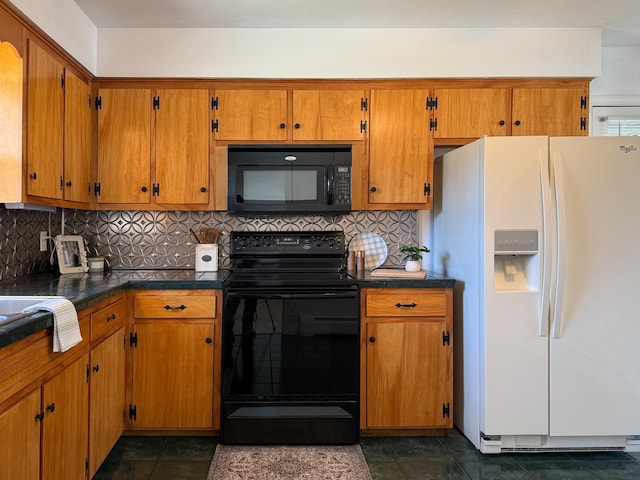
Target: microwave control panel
(342, 185)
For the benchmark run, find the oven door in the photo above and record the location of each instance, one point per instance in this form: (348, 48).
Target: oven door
(290, 366)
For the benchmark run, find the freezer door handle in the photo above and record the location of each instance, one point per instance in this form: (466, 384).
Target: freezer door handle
(556, 319)
(547, 225)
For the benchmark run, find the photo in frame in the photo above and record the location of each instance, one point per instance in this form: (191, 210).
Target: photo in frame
(72, 256)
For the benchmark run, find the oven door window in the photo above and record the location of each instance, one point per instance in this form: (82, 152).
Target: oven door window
(290, 346)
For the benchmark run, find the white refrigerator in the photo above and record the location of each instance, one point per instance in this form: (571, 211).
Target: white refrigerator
(543, 236)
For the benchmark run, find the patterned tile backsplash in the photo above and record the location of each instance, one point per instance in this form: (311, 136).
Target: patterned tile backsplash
(161, 240)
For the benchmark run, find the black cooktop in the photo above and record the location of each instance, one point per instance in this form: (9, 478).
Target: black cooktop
(289, 259)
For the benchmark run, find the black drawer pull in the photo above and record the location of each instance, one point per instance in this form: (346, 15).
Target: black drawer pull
(40, 416)
(406, 305)
(372, 339)
(51, 407)
(169, 307)
(209, 340)
(111, 317)
(96, 368)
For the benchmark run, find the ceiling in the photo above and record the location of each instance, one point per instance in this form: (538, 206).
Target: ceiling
(619, 19)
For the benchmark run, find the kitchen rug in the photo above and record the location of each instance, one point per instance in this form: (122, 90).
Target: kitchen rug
(234, 462)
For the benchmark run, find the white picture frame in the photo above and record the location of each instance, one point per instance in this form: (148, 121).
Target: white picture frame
(72, 256)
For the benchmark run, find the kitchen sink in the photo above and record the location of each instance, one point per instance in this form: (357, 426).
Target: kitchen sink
(11, 307)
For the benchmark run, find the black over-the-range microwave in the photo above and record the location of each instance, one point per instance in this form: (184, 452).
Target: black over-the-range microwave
(289, 179)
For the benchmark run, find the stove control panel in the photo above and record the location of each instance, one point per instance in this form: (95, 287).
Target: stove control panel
(299, 243)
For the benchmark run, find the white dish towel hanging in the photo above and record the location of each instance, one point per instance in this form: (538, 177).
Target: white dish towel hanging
(66, 329)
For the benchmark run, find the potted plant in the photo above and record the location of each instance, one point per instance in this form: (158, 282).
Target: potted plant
(412, 255)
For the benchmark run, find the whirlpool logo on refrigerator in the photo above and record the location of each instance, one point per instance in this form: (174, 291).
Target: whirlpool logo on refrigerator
(630, 148)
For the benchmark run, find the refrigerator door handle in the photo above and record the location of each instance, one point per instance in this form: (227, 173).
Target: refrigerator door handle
(547, 224)
(556, 319)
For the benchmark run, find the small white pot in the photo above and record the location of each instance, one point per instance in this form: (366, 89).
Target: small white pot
(413, 266)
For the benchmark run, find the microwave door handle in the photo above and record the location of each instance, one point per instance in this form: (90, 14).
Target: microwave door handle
(330, 189)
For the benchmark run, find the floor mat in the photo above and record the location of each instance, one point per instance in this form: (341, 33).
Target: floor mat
(232, 462)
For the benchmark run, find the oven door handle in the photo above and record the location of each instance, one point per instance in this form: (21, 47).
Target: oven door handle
(292, 295)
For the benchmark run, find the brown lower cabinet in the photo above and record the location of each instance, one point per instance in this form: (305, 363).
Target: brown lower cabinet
(176, 366)
(61, 413)
(107, 374)
(48, 429)
(20, 442)
(406, 358)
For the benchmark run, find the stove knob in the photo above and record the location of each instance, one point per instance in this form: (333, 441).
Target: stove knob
(255, 241)
(241, 242)
(331, 242)
(266, 242)
(318, 241)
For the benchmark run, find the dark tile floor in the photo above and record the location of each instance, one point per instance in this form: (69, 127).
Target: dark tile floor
(391, 458)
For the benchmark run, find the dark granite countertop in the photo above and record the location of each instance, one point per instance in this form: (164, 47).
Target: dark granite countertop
(431, 280)
(88, 289)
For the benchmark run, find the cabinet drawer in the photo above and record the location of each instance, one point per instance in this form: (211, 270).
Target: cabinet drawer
(406, 303)
(175, 305)
(108, 319)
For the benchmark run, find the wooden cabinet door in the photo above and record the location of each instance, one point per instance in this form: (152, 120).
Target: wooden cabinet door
(173, 374)
(11, 80)
(65, 428)
(124, 146)
(401, 149)
(77, 139)
(182, 147)
(328, 114)
(45, 124)
(107, 370)
(550, 111)
(20, 440)
(471, 112)
(251, 115)
(406, 374)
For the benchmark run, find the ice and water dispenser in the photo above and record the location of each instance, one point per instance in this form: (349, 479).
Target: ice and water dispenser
(516, 265)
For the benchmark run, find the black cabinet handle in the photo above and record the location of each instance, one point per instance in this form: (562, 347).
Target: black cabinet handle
(209, 340)
(502, 122)
(96, 368)
(69, 183)
(203, 189)
(111, 317)
(282, 125)
(373, 189)
(372, 339)
(143, 189)
(297, 125)
(517, 122)
(169, 307)
(51, 407)
(33, 176)
(40, 416)
(406, 305)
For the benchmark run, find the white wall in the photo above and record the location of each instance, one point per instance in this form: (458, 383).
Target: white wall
(619, 83)
(346, 53)
(63, 21)
(317, 53)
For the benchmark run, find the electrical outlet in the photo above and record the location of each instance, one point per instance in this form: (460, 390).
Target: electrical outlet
(43, 241)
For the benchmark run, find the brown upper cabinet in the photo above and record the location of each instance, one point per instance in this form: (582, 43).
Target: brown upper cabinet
(45, 122)
(153, 146)
(240, 115)
(400, 150)
(470, 112)
(58, 130)
(329, 115)
(267, 115)
(553, 111)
